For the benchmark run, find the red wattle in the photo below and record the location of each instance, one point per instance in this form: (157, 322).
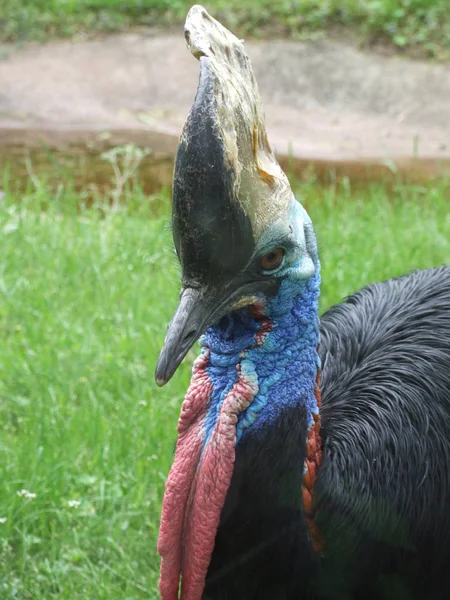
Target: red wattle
(197, 485)
(179, 481)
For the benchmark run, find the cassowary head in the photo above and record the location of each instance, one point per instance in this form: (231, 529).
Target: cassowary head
(247, 250)
(237, 228)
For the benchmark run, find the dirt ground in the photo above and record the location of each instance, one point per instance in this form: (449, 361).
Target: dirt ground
(323, 100)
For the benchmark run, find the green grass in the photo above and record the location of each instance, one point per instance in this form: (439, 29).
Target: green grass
(419, 26)
(85, 296)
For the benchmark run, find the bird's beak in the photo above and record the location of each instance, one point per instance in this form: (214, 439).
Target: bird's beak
(189, 322)
(198, 310)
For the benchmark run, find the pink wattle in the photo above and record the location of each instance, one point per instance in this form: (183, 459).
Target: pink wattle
(180, 479)
(198, 482)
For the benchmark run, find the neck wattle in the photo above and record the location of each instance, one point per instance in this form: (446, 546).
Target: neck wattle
(256, 363)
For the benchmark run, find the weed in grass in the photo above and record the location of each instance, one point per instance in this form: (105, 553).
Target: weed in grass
(86, 437)
(125, 161)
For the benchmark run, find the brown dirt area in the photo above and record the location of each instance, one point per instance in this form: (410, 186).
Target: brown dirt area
(327, 103)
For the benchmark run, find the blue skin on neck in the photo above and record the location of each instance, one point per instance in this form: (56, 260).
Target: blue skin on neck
(285, 363)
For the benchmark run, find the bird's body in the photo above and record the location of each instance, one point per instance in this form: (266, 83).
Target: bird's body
(382, 495)
(312, 461)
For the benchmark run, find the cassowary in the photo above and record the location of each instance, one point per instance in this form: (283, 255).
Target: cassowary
(313, 460)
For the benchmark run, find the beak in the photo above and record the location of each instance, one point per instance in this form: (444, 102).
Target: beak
(198, 310)
(189, 322)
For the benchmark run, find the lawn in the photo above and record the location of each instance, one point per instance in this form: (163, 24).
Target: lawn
(87, 437)
(421, 27)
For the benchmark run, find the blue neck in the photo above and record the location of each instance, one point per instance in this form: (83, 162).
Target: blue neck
(283, 361)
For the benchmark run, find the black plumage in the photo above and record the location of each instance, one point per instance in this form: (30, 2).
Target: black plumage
(382, 496)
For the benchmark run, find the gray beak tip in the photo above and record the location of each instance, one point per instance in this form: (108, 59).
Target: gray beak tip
(161, 375)
(160, 381)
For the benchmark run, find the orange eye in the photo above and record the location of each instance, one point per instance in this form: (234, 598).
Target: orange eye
(272, 260)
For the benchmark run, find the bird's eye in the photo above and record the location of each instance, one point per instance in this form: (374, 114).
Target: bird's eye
(272, 260)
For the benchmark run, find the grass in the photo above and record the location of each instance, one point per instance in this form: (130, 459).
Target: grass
(84, 299)
(418, 26)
